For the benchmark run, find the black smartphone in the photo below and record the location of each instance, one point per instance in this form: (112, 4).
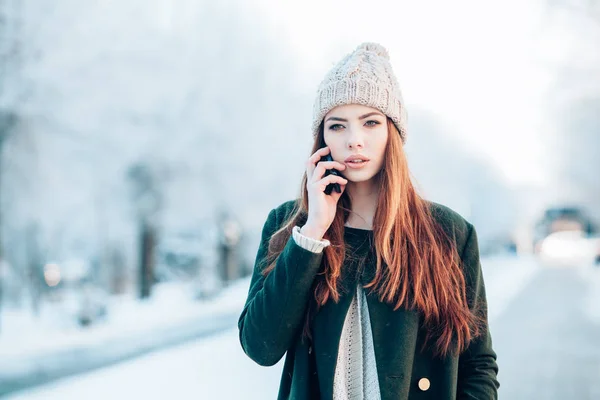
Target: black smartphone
(331, 186)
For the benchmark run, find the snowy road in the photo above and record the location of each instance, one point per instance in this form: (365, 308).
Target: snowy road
(212, 368)
(216, 367)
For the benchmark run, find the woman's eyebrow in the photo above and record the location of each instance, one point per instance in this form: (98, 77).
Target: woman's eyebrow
(361, 117)
(370, 114)
(336, 119)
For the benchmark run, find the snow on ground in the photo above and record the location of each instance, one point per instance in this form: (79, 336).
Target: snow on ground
(24, 336)
(211, 368)
(216, 367)
(591, 273)
(505, 277)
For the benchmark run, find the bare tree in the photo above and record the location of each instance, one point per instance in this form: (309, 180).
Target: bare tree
(8, 60)
(147, 200)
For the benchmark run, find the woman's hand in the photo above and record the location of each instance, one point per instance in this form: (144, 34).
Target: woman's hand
(321, 206)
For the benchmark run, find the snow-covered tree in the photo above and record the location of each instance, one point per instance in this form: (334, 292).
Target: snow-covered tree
(574, 102)
(198, 89)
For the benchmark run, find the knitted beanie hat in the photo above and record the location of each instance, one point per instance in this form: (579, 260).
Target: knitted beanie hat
(364, 77)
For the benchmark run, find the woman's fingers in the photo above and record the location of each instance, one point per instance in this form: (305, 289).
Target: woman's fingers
(336, 196)
(315, 168)
(322, 183)
(319, 170)
(314, 159)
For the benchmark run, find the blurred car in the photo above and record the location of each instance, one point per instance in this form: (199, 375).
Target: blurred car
(92, 304)
(69, 286)
(178, 256)
(190, 255)
(557, 219)
(496, 246)
(568, 248)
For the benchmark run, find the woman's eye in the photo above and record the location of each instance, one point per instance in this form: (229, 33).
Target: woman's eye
(336, 127)
(372, 123)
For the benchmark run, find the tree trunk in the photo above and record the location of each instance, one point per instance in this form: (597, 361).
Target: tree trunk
(147, 242)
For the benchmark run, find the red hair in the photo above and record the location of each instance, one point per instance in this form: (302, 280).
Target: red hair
(404, 229)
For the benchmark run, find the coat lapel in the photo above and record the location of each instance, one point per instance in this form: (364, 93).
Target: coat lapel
(327, 329)
(394, 340)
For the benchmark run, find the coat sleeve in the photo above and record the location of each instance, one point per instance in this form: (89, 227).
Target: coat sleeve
(477, 370)
(275, 309)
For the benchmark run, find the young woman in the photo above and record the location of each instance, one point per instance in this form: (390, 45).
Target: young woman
(373, 292)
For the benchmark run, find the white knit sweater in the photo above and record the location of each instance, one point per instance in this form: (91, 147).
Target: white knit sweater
(356, 371)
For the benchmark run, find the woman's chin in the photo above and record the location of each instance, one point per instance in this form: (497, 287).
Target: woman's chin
(358, 178)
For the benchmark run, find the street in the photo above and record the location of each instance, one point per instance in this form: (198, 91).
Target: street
(548, 342)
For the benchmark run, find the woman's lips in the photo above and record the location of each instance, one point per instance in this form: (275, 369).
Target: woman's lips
(356, 165)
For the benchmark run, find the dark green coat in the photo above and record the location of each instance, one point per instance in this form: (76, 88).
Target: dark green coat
(271, 323)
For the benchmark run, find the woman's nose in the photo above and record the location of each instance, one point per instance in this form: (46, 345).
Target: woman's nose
(355, 140)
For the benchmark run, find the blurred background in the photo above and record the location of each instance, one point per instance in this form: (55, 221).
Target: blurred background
(143, 143)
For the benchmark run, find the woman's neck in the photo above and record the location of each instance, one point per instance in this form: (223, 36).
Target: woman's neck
(364, 197)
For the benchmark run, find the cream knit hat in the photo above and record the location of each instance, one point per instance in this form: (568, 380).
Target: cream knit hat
(365, 77)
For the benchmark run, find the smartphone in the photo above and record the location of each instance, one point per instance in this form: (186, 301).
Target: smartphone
(331, 186)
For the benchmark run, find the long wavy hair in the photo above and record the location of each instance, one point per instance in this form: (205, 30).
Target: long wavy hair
(417, 267)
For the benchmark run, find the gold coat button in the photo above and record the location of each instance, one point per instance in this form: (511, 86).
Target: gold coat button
(424, 384)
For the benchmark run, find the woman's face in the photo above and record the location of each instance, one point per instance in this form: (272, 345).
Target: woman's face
(355, 129)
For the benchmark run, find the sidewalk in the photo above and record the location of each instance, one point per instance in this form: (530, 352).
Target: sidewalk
(34, 354)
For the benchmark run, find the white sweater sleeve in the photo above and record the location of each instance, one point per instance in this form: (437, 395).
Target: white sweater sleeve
(310, 244)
